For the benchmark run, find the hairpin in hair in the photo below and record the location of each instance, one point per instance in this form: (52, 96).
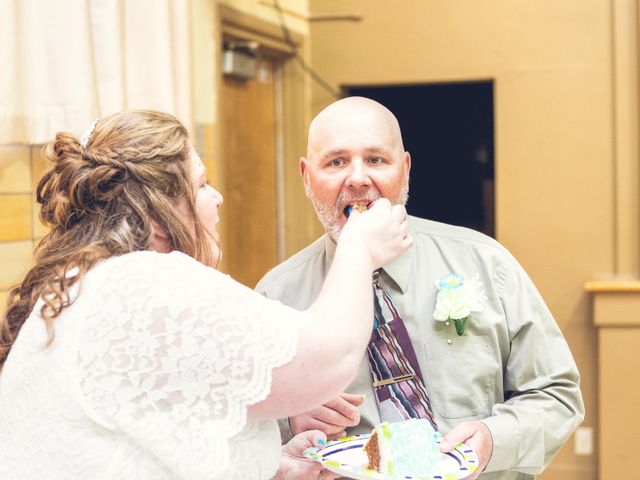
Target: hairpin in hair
(84, 139)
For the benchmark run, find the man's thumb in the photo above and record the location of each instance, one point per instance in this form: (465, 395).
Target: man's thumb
(455, 437)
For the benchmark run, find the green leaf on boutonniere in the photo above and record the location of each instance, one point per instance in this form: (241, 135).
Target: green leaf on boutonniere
(460, 325)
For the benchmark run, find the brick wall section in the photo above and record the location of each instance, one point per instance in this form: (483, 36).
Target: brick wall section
(21, 167)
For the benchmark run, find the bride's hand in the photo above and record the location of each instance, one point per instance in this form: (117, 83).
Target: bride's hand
(382, 231)
(295, 466)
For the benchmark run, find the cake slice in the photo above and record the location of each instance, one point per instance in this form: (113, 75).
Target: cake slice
(404, 448)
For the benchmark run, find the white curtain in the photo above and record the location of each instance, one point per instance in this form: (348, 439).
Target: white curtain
(65, 62)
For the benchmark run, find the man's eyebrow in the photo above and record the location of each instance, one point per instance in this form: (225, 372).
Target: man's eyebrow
(382, 150)
(335, 153)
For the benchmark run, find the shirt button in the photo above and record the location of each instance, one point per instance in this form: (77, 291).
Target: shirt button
(449, 341)
(447, 323)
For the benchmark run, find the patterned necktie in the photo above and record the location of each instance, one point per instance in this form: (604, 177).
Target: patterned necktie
(397, 379)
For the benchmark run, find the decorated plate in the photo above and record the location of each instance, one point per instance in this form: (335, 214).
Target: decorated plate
(346, 457)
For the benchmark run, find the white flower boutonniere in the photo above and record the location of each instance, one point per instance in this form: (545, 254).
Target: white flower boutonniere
(457, 299)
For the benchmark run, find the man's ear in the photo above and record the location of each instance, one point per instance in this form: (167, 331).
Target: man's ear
(303, 164)
(407, 163)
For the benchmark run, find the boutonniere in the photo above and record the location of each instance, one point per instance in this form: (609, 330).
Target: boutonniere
(457, 299)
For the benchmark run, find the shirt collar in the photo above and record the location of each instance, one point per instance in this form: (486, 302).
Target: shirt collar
(398, 270)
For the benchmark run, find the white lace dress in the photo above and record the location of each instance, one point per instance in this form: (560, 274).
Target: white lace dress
(149, 377)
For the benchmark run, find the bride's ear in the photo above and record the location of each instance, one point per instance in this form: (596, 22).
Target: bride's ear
(159, 238)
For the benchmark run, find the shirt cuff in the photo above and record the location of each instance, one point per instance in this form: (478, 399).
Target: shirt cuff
(505, 433)
(285, 430)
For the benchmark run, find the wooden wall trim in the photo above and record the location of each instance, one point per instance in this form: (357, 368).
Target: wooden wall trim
(626, 154)
(612, 286)
(234, 21)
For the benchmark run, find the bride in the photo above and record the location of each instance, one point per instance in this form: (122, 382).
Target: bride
(125, 354)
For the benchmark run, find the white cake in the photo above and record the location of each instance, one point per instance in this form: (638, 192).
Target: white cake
(404, 448)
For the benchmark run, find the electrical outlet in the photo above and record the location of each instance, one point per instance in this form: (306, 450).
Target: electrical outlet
(583, 441)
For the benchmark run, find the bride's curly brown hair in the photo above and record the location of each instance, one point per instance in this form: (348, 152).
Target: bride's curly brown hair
(106, 199)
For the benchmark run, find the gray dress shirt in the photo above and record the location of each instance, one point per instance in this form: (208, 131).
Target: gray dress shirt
(511, 369)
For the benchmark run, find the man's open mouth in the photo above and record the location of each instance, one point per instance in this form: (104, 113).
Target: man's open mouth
(359, 206)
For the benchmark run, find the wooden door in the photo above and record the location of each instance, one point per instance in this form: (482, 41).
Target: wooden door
(248, 125)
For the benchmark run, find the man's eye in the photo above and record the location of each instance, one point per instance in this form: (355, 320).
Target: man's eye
(336, 162)
(375, 160)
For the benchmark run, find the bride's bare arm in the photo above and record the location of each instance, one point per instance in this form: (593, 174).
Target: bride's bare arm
(339, 322)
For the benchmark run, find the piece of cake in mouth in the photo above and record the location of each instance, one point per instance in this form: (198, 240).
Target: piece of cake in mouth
(359, 206)
(403, 448)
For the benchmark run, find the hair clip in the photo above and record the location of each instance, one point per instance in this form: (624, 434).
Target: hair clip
(84, 139)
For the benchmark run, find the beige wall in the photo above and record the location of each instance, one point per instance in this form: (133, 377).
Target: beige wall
(551, 63)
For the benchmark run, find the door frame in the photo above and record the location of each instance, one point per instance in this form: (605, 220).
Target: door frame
(297, 224)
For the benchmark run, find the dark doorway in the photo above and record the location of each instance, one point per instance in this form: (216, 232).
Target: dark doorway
(448, 129)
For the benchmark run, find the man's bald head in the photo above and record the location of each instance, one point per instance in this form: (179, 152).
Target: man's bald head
(352, 114)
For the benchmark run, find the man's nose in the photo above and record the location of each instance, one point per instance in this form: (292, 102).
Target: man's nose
(358, 174)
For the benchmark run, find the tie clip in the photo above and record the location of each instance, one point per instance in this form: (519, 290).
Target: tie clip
(389, 381)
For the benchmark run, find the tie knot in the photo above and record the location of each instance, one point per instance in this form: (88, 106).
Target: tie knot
(376, 277)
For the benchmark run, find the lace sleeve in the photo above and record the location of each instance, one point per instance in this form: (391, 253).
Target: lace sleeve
(172, 353)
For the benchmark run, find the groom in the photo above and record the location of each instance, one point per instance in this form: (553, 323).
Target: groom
(501, 378)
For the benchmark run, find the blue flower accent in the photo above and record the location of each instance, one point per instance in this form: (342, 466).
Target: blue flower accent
(457, 300)
(452, 280)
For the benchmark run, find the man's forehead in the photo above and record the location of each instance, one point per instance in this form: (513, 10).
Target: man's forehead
(369, 149)
(361, 130)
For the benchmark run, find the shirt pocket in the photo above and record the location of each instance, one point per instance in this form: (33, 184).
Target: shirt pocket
(462, 376)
